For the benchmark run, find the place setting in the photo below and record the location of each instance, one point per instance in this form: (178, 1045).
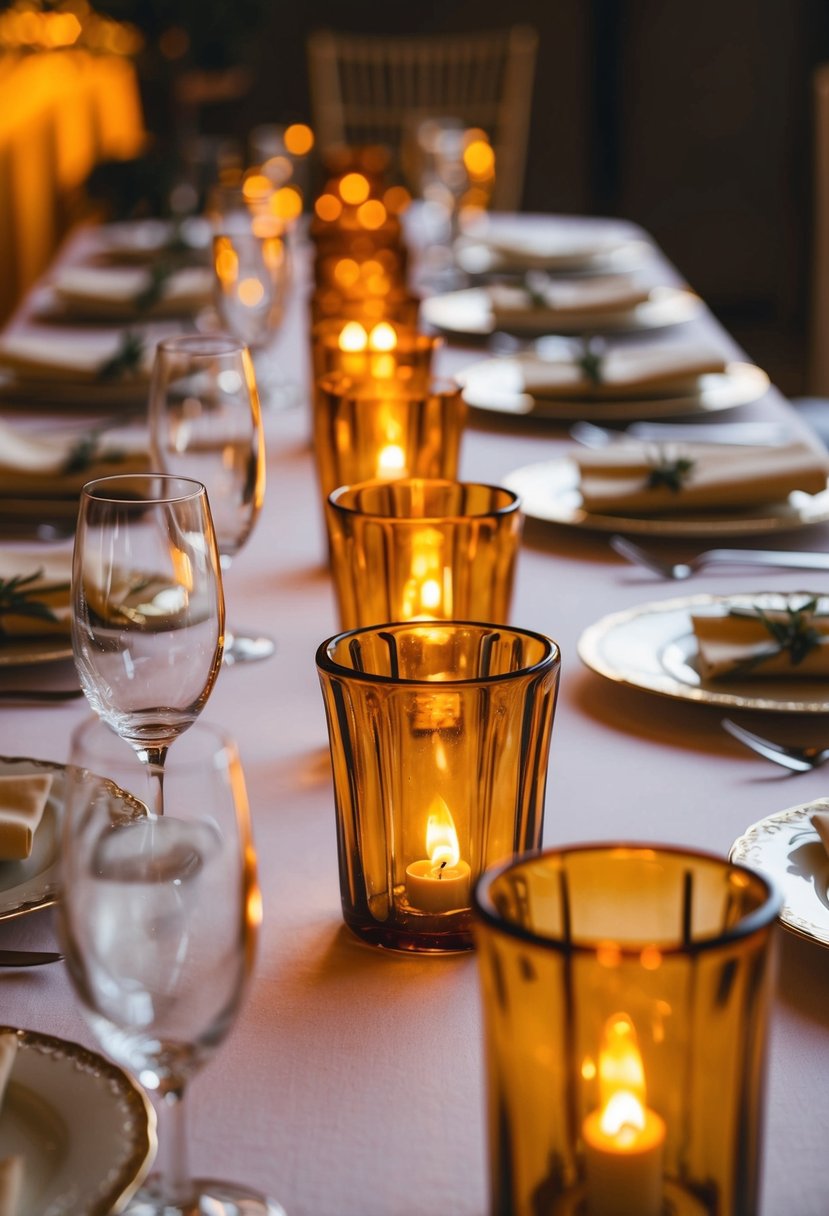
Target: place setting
(562, 380)
(680, 488)
(492, 244)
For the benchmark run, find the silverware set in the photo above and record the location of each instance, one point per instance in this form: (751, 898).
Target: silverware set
(796, 759)
(679, 571)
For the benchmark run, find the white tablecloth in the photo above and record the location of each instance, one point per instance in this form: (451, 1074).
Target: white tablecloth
(351, 1084)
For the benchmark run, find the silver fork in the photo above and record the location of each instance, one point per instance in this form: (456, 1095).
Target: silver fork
(780, 558)
(797, 759)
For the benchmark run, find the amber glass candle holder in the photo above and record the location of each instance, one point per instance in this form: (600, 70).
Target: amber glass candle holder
(372, 350)
(397, 305)
(419, 549)
(383, 429)
(625, 996)
(439, 742)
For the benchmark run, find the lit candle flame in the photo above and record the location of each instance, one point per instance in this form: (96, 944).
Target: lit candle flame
(621, 1078)
(382, 337)
(353, 337)
(442, 844)
(391, 460)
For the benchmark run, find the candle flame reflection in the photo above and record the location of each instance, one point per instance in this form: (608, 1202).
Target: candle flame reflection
(621, 1079)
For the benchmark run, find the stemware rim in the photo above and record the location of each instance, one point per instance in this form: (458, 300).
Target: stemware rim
(223, 343)
(760, 918)
(195, 489)
(327, 664)
(511, 505)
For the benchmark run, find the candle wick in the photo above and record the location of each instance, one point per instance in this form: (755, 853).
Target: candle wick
(440, 869)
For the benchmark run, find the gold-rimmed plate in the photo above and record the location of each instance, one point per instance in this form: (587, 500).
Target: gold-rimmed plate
(85, 1130)
(549, 492)
(787, 848)
(496, 386)
(468, 313)
(653, 647)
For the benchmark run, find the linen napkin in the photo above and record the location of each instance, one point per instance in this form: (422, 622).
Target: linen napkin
(131, 291)
(82, 356)
(820, 822)
(791, 641)
(550, 243)
(621, 372)
(23, 800)
(658, 478)
(11, 1168)
(34, 592)
(49, 466)
(550, 300)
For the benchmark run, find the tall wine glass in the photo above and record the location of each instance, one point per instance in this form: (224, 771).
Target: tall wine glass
(252, 275)
(147, 607)
(158, 920)
(205, 422)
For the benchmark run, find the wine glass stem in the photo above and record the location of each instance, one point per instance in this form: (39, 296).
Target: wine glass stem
(173, 1170)
(154, 758)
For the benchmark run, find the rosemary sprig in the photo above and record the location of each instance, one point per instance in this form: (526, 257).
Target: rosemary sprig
(672, 474)
(15, 598)
(127, 358)
(534, 285)
(591, 361)
(795, 635)
(87, 450)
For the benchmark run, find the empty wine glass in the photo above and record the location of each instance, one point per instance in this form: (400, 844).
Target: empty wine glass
(251, 281)
(147, 607)
(158, 920)
(205, 422)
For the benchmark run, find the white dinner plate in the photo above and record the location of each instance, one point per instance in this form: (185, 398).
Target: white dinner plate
(549, 491)
(653, 647)
(476, 257)
(469, 313)
(85, 1130)
(787, 848)
(490, 385)
(20, 652)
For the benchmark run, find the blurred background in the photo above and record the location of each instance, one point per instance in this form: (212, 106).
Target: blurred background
(696, 121)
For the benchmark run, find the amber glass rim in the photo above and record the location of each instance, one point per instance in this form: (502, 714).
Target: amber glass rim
(325, 663)
(756, 921)
(509, 507)
(339, 385)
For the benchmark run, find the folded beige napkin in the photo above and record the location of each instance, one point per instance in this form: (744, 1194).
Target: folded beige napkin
(738, 644)
(50, 353)
(628, 371)
(11, 1168)
(46, 579)
(554, 299)
(549, 243)
(129, 291)
(654, 479)
(22, 803)
(47, 466)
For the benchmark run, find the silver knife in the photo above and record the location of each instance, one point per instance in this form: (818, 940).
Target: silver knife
(27, 958)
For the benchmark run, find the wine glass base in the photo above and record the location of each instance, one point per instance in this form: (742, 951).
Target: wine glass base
(239, 648)
(209, 1198)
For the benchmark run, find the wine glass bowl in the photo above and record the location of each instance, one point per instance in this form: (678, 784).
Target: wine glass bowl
(206, 422)
(148, 606)
(159, 917)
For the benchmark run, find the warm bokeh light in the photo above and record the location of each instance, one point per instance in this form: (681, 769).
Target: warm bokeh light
(299, 139)
(371, 214)
(383, 337)
(278, 169)
(328, 207)
(286, 203)
(353, 337)
(250, 292)
(346, 272)
(226, 261)
(256, 187)
(397, 199)
(354, 189)
(479, 160)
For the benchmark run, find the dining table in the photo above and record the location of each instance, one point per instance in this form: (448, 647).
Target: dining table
(352, 1081)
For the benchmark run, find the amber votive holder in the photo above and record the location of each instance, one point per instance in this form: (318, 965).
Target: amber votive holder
(423, 549)
(439, 744)
(371, 349)
(385, 429)
(397, 305)
(625, 996)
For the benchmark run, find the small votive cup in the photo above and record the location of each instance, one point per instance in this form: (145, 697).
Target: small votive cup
(385, 429)
(419, 549)
(397, 305)
(625, 995)
(439, 744)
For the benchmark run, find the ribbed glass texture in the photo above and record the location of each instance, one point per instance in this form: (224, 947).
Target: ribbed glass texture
(420, 549)
(381, 429)
(439, 745)
(656, 957)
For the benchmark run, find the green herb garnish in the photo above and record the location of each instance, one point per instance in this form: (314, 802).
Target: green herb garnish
(159, 273)
(86, 451)
(15, 598)
(672, 474)
(592, 362)
(796, 635)
(127, 358)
